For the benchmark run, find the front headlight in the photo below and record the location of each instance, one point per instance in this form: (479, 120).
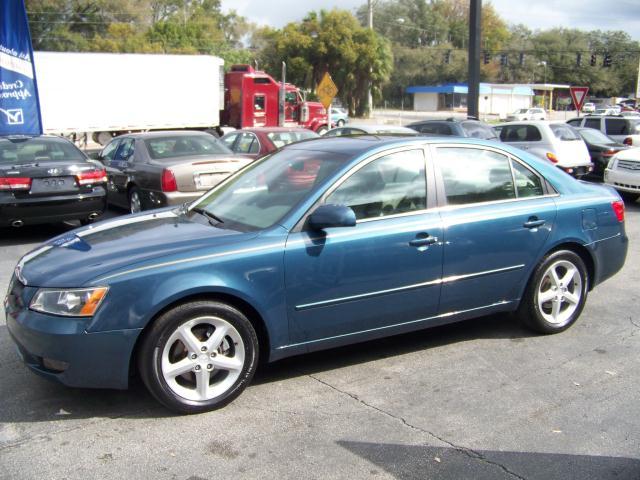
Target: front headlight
(76, 302)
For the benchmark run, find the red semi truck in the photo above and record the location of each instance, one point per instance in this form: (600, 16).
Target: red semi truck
(106, 94)
(252, 99)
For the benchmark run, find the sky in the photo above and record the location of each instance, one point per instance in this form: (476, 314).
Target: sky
(537, 14)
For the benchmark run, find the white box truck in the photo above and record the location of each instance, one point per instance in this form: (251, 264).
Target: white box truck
(102, 94)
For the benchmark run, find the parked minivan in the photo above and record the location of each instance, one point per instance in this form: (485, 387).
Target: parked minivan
(556, 142)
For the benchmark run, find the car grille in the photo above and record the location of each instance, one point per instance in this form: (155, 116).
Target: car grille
(626, 165)
(624, 185)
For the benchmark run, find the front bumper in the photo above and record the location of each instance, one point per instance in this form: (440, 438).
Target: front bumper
(60, 349)
(58, 208)
(623, 180)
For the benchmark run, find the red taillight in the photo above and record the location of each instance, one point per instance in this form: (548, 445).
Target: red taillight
(93, 176)
(628, 141)
(168, 183)
(618, 209)
(15, 183)
(552, 158)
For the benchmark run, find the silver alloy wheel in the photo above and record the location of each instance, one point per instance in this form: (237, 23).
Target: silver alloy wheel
(135, 203)
(203, 358)
(559, 292)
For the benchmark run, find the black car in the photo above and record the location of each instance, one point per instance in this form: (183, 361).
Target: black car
(456, 127)
(46, 179)
(601, 148)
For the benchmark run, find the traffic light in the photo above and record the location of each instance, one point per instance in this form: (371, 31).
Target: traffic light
(504, 59)
(606, 60)
(487, 57)
(521, 59)
(593, 60)
(578, 59)
(447, 57)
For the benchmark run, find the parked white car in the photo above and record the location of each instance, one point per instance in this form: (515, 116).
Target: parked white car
(623, 173)
(589, 107)
(553, 141)
(621, 128)
(527, 114)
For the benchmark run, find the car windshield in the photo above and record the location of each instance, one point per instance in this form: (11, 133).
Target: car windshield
(266, 191)
(280, 139)
(173, 146)
(16, 151)
(564, 132)
(592, 135)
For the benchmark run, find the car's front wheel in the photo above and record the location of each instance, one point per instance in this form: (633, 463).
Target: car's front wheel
(135, 200)
(198, 356)
(556, 293)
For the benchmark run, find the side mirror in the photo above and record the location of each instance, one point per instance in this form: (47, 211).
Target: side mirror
(330, 216)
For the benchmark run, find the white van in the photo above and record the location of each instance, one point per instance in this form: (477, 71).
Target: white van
(553, 141)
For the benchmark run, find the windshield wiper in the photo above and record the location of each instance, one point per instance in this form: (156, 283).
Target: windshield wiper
(211, 216)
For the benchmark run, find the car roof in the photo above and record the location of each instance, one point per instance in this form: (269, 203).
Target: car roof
(271, 129)
(166, 133)
(379, 127)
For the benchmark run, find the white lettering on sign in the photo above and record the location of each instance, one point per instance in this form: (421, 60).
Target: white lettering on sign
(16, 64)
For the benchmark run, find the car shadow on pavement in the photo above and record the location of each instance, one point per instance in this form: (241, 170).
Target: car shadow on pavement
(11, 236)
(500, 326)
(408, 462)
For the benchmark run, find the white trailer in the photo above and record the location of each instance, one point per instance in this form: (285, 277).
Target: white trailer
(105, 93)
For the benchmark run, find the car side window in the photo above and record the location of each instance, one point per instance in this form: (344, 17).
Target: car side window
(472, 175)
(477, 130)
(109, 151)
(528, 184)
(520, 133)
(592, 123)
(125, 150)
(574, 122)
(247, 143)
(616, 126)
(228, 140)
(389, 185)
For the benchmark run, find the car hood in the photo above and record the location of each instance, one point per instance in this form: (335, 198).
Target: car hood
(76, 257)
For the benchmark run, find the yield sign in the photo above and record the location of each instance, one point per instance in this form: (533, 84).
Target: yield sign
(578, 95)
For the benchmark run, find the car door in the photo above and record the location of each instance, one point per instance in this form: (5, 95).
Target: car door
(384, 272)
(120, 170)
(497, 215)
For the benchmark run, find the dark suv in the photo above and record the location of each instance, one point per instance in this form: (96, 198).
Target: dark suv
(47, 179)
(622, 129)
(456, 127)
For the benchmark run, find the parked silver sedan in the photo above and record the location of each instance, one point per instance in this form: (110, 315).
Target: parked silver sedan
(155, 169)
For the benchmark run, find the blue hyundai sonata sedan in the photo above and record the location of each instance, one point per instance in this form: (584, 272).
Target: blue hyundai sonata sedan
(324, 243)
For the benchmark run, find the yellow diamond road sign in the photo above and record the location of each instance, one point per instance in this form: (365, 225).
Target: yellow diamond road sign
(327, 90)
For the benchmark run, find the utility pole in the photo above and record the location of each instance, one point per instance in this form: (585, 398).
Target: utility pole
(369, 96)
(473, 96)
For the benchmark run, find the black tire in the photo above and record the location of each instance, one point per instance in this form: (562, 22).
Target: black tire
(543, 316)
(192, 317)
(322, 130)
(340, 123)
(135, 200)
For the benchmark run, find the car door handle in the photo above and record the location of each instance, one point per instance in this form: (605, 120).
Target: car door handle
(533, 222)
(423, 240)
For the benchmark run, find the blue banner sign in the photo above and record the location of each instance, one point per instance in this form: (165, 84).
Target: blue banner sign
(19, 106)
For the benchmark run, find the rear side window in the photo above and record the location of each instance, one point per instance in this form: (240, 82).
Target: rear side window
(592, 123)
(528, 184)
(564, 132)
(477, 130)
(520, 133)
(473, 175)
(616, 126)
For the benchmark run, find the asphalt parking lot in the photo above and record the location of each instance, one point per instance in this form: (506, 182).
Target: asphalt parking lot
(483, 399)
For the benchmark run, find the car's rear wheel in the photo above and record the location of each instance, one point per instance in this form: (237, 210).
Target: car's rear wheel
(198, 356)
(135, 200)
(629, 197)
(556, 293)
